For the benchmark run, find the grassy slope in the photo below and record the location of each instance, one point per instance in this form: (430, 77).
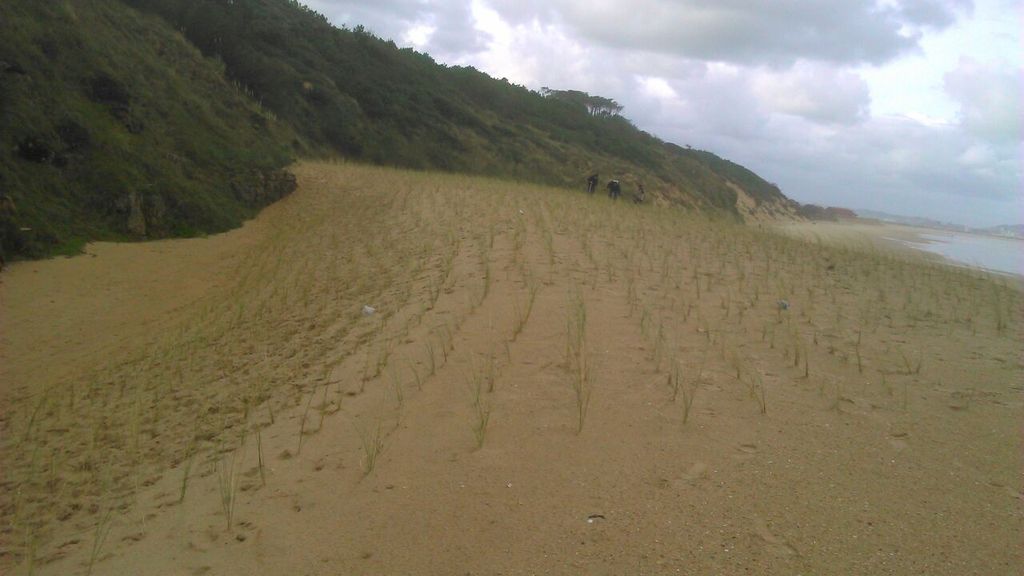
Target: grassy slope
(363, 96)
(120, 104)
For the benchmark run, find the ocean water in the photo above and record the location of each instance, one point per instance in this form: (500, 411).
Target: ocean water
(998, 254)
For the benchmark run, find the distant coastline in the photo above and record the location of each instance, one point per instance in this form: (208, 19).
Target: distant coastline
(992, 253)
(1015, 231)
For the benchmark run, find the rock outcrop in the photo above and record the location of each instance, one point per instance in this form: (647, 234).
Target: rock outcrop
(146, 215)
(262, 188)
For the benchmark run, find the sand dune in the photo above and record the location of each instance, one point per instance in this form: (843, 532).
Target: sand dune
(549, 384)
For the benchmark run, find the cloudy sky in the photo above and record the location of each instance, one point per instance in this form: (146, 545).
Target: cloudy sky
(907, 106)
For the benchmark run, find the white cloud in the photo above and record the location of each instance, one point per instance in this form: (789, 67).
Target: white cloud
(976, 155)
(934, 13)
(746, 31)
(814, 91)
(657, 88)
(858, 103)
(451, 22)
(527, 52)
(990, 99)
(419, 36)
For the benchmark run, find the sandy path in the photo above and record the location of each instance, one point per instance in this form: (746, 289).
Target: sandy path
(886, 442)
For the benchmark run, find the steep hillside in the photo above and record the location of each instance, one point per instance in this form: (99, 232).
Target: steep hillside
(363, 96)
(113, 126)
(116, 126)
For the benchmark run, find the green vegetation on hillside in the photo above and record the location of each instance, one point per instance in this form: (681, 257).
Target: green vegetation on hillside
(113, 126)
(365, 97)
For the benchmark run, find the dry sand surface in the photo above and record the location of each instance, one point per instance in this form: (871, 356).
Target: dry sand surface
(865, 234)
(549, 384)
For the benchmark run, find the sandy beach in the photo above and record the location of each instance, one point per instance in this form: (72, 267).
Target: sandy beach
(407, 373)
(866, 234)
(908, 240)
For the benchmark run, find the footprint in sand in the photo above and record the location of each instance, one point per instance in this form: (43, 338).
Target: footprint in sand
(775, 544)
(694, 474)
(898, 440)
(1012, 492)
(746, 451)
(697, 472)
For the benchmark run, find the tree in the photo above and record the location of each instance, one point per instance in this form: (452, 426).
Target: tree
(595, 105)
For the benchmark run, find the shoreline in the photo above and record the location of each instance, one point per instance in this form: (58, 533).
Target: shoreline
(897, 238)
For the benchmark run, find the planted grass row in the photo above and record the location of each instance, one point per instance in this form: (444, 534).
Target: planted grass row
(288, 278)
(259, 344)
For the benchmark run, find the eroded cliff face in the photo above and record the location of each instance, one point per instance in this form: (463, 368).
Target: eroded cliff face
(146, 215)
(773, 209)
(261, 188)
